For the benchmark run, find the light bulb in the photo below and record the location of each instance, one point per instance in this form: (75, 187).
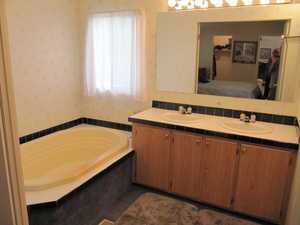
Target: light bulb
(184, 3)
(198, 3)
(179, 5)
(172, 3)
(232, 2)
(204, 4)
(264, 2)
(191, 5)
(217, 3)
(248, 2)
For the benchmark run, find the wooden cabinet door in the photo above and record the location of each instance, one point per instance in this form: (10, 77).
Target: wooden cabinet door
(152, 147)
(262, 181)
(219, 171)
(185, 164)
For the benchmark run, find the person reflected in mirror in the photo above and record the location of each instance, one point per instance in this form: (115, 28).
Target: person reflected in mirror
(271, 75)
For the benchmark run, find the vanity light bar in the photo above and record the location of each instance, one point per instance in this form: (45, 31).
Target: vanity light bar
(203, 4)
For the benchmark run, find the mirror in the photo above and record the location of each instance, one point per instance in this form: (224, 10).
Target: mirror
(249, 53)
(241, 59)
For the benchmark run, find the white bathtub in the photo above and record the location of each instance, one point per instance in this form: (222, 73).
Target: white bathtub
(66, 156)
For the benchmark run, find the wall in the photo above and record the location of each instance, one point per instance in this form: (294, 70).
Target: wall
(44, 42)
(293, 217)
(119, 110)
(246, 31)
(111, 108)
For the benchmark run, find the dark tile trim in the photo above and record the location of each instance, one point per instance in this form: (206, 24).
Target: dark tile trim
(270, 118)
(218, 134)
(50, 130)
(102, 123)
(71, 124)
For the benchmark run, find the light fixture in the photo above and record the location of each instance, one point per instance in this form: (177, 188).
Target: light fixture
(217, 3)
(264, 2)
(184, 3)
(172, 3)
(232, 2)
(191, 5)
(248, 2)
(202, 4)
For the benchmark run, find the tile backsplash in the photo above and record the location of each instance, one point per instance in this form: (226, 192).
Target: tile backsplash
(270, 118)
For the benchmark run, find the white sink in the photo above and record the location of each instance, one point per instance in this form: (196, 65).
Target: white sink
(248, 128)
(180, 118)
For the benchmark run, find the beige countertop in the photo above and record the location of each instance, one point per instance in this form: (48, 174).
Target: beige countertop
(280, 133)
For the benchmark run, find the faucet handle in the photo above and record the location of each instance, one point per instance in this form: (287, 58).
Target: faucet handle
(242, 117)
(253, 118)
(189, 110)
(181, 110)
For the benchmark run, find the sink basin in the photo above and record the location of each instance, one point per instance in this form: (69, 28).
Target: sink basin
(180, 118)
(249, 128)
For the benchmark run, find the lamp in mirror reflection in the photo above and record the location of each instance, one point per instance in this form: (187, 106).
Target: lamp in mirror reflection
(202, 4)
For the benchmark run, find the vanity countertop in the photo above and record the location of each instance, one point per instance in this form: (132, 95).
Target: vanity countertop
(280, 133)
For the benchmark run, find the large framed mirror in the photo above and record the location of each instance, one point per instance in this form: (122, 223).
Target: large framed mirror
(241, 59)
(250, 53)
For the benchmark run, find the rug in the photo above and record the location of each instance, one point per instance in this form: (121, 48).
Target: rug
(106, 222)
(154, 209)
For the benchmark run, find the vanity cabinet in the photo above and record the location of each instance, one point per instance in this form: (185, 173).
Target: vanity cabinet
(246, 178)
(262, 181)
(152, 156)
(218, 171)
(186, 162)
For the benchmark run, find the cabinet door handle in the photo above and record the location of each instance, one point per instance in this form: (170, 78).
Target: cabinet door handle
(198, 141)
(244, 150)
(166, 135)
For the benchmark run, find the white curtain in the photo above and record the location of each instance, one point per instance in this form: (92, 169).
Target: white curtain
(115, 55)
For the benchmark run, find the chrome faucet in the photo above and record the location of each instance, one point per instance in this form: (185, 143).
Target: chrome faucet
(247, 119)
(182, 110)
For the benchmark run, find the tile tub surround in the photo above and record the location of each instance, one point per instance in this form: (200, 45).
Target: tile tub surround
(74, 123)
(87, 204)
(264, 117)
(283, 136)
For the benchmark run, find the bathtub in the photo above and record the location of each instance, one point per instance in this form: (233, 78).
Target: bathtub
(66, 156)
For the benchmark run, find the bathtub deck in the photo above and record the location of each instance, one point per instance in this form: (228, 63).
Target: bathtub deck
(54, 194)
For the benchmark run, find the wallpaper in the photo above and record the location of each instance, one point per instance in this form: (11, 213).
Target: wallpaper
(44, 44)
(46, 41)
(119, 110)
(114, 109)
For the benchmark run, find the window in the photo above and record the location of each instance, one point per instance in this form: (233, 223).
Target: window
(114, 54)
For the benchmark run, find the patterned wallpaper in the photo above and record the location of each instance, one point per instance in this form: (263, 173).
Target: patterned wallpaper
(114, 109)
(44, 42)
(118, 110)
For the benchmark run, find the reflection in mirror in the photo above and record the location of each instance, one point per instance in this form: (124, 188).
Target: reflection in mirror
(241, 59)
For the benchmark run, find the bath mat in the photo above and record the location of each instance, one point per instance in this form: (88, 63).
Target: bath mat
(209, 217)
(154, 209)
(106, 222)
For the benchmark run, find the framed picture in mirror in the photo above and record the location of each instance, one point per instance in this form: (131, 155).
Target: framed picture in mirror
(244, 52)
